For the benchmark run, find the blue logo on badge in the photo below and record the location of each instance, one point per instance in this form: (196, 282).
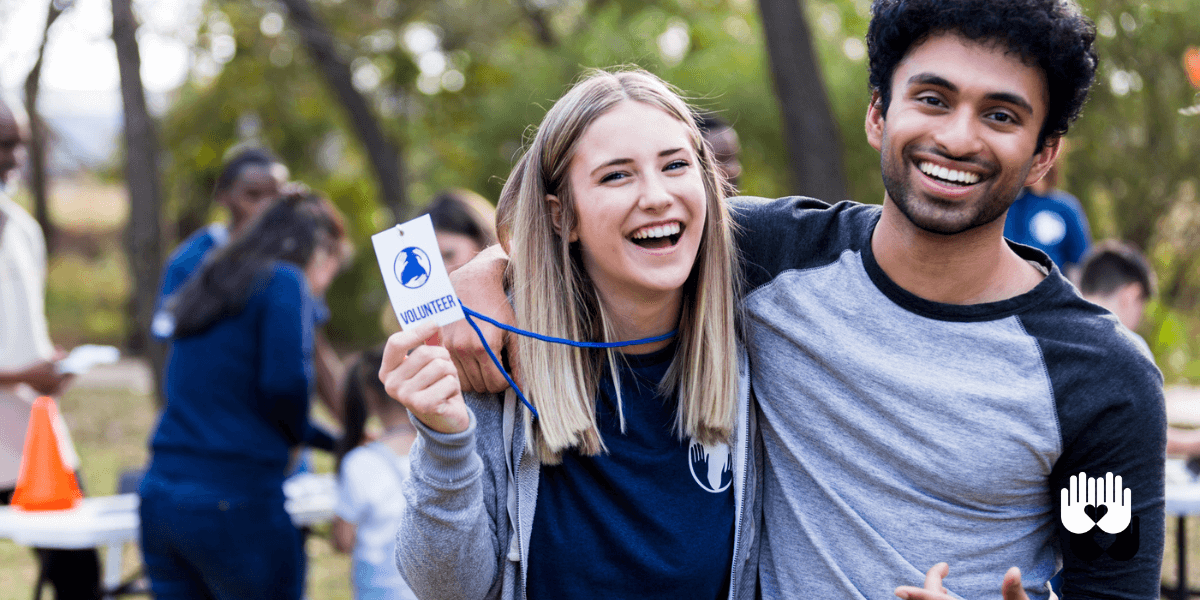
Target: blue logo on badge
(412, 267)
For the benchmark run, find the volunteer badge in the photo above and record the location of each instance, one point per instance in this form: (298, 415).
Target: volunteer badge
(414, 274)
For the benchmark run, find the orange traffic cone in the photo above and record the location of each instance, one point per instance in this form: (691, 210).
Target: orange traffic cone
(44, 482)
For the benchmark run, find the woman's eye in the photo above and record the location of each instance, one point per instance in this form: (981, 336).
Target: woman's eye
(614, 176)
(676, 164)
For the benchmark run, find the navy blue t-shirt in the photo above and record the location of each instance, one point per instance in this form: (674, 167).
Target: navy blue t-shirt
(652, 518)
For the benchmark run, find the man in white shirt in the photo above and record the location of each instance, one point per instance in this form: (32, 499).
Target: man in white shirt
(27, 361)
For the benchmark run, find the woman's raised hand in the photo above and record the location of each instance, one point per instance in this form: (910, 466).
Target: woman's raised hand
(424, 380)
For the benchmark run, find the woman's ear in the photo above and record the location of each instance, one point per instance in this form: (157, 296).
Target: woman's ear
(556, 218)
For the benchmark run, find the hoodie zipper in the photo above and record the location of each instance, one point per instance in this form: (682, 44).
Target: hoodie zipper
(746, 450)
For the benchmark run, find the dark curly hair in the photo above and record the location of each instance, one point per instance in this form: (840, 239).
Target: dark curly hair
(1051, 34)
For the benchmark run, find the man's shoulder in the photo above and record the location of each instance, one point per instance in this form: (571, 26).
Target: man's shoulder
(796, 209)
(797, 233)
(192, 249)
(1087, 349)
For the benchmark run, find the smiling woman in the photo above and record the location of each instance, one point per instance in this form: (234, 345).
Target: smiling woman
(615, 221)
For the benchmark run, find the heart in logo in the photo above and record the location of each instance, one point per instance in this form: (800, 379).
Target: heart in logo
(1095, 512)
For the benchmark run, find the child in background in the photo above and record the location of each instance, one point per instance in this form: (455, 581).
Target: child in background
(369, 477)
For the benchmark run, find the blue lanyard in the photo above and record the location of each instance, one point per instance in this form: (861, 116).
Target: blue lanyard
(545, 338)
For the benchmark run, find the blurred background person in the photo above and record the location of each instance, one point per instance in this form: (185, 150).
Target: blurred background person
(238, 383)
(726, 147)
(27, 359)
(1117, 276)
(369, 477)
(1052, 221)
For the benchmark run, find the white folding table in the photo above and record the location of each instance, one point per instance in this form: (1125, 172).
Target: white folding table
(110, 521)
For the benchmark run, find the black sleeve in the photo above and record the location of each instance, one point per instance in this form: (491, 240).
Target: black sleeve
(1112, 416)
(774, 236)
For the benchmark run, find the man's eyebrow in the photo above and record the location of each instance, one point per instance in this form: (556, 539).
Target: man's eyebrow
(625, 161)
(939, 81)
(932, 79)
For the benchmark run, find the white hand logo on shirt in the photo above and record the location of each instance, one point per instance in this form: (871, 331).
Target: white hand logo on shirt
(1117, 500)
(1076, 499)
(1091, 501)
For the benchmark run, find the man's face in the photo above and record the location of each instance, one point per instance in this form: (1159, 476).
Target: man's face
(726, 149)
(10, 142)
(958, 139)
(250, 195)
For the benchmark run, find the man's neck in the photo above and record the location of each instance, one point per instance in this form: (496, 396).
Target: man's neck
(973, 267)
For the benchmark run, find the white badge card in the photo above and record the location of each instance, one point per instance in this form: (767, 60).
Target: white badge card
(414, 274)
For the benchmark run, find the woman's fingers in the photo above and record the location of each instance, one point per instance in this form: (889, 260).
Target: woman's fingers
(400, 343)
(424, 380)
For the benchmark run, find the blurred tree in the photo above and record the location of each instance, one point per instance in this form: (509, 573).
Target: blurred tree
(812, 136)
(39, 183)
(384, 154)
(143, 234)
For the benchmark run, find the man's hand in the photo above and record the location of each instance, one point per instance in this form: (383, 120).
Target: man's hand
(1010, 589)
(425, 380)
(1075, 500)
(480, 287)
(42, 376)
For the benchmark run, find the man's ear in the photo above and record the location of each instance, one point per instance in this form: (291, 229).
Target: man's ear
(1043, 160)
(556, 217)
(874, 124)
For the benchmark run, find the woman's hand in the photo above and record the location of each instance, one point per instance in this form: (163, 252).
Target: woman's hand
(1010, 589)
(424, 379)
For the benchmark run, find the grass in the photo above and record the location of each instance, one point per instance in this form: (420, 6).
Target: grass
(110, 422)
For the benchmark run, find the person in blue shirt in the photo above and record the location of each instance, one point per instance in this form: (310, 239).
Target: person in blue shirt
(238, 384)
(1052, 221)
(249, 180)
(638, 477)
(246, 185)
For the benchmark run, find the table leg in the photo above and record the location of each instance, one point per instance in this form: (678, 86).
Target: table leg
(112, 568)
(1181, 545)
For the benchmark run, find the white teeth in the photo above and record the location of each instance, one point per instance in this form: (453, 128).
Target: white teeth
(657, 231)
(963, 177)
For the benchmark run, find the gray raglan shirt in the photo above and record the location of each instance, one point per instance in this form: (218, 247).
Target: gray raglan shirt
(899, 432)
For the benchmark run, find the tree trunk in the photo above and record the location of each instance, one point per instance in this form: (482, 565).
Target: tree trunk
(385, 156)
(39, 183)
(809, 128)
(143, 236)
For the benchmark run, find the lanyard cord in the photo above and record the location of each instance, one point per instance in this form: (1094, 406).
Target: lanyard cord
(545, 338)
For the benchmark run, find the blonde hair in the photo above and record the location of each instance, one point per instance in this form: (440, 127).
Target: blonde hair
(553, 295)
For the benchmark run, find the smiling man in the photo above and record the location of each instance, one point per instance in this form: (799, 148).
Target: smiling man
(929, 391)
(927, 388)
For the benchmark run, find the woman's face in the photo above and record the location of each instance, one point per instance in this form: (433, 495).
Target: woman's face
(639, 201)
(322, 268)
(456, 249)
